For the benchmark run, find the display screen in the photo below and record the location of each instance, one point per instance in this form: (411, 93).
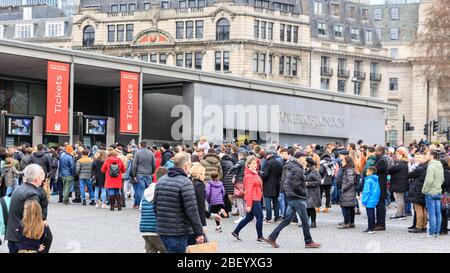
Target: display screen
(95, 126)
(19, 126)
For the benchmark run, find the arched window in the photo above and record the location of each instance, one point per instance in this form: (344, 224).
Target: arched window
(223, 29)
(88, 36)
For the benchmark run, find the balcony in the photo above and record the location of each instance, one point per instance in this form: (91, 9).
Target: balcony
(359, 75)
(189, 10)
(326, 71)
(376, 77)
(342, 73)
(120, 13)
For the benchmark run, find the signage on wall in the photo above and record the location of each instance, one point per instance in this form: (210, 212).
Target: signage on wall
(129, 96)
(57, 121)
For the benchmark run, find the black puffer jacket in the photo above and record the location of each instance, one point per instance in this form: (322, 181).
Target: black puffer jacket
(271, 176)
(381, 163)
(99, 176)
(41, 159)
(399, 176)
(446, 184)
(238, 169)
(175, 205)
(199, 188)
(295, 185)
(227, 164)
(283, 175)
(417, 177)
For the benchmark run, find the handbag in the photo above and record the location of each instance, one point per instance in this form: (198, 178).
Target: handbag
(208, 247)
(239, 191)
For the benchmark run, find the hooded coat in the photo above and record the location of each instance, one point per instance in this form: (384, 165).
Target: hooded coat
(434, 178)
(313, 198)
(113, 182)
(227, 163)
(211, 162)
(295, 185)
(371, 192)
(41, 159)
(399, 177)
(417, 177)
(215, 192)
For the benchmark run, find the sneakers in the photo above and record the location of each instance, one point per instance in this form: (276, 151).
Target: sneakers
(223, 213)
(358, 212)
(92, 203)
(219, 229)
(368, 231)
(235, 236)
(312, 245)
(97, 205)
(352, 226)
(398, 217)
(261, 240)
(344, 226)
(104, 206)
(272, 242)
(238, 220)
(267, 222)
(417, 230)
(235, 213)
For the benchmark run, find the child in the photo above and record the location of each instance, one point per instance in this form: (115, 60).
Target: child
(371, 196)
(10, 175)
(32, 229)
(215, 193)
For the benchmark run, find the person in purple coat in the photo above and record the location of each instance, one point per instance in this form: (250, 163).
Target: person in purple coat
(215, 193)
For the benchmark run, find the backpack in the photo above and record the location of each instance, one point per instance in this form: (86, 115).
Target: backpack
(114, 170)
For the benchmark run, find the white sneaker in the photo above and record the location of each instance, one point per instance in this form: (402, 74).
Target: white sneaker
(238, 220)
(96, 205)
(104, 206)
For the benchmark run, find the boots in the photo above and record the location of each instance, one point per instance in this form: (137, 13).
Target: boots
(119, 201)
(317, 210)
(358, 212)
(326, 210)
(112, 201)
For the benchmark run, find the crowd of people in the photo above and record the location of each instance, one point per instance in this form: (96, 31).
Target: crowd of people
(178, 188)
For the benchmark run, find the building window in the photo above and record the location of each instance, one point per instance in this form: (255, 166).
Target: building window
(120, 33)
(182, 4)
(395, 14)
(132, 7)
(365, 14)
(130, 29)
(162, 58)
(179, 60)
(294, 66)
(223, 30)
(199, 29)
(88, 36)
(256, 29)
(54, 29)
(351, 12)
(354, 35)
(262, 63)
(114, 8)
(288, 33)
(188, 60)
(342, 65)
(27, 13)
(295, 34)
(358, 68)
(192, 4)
(392, 137)
(201, 3)
(189, 29)
(1, 31)
(325, 84)
(111, 33)
(123, 7)
(270, 63)
(144, 57)
(318, 7)
(325, 63)
(255, 62)
(287, 66)
(180, 30)
(374, 69)
(222, 61)
(373, 89)
(282, 30)
(357, 88)
(394, 53)
(393, 84)
(281, 66)
(378, 32)
(226, 61)
(341, 86)
(153, 58)
(369, 38)
(377, 14)
(165, 4)
(338, 31)
(335, 9)
(24, 31)
(218, 61)
(198, 60)
(322, 28)
(394, 33)
(147, 6)
(270, 31)
(263, 30)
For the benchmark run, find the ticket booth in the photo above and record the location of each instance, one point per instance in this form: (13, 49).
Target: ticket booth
(16, 129)
(91, 130)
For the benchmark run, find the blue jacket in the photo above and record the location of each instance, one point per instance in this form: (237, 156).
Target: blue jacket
(371, 192)
(148, 217)
(66, 165)
(169, 164)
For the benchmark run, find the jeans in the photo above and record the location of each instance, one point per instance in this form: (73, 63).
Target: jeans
(282, 203)
(370, 218)
(112, 192)
(103, 192)
(67, 184)
(175, 244)
(336, 195)
(88, 183)
(299, 207)
(433, 203)
(257, 211)
(10, 189)
(136, 192)
(381, 213)
(349, 215)
(269, 201)
(142, 181)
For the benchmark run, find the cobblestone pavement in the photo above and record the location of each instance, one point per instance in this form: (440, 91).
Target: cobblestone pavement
(86, 229)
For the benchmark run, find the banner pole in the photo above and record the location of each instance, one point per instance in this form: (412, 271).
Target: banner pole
(71, 99)
(141, 95)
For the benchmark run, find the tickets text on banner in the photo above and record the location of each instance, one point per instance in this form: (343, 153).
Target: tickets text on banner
(129, 97)
(57, 120)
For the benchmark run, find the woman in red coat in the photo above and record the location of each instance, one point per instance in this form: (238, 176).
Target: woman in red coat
(253, 195)
(158, 163)
(113, 168)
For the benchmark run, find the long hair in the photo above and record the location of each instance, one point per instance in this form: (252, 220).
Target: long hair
(33, 225)
(349, 164)
(316, 158)
(102, 155)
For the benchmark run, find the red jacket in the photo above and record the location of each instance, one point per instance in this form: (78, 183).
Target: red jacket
(113, 182)
(158, 158)
(252, 186)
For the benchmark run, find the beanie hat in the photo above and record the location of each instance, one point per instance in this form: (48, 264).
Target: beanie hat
(69, 149)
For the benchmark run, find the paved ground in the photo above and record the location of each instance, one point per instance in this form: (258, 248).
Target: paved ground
(87, 229)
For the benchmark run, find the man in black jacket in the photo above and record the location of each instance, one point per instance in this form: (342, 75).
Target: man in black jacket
(295, 187)
(381, 163)
(176, 208)
(41, 159)
(271, 176)
(167, 154)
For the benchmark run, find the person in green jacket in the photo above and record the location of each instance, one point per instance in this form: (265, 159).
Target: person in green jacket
(432, 189)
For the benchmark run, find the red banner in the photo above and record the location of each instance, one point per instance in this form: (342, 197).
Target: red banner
(129, 97)
(57, 121)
